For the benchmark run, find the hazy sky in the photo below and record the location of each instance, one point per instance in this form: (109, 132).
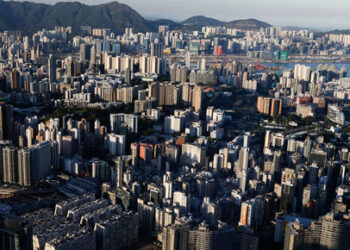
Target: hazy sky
(306, 13)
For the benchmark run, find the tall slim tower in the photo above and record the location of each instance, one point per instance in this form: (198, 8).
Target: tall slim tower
(152, 49)
(6, 126)
(92, 56)
(128, 75)
(10, 170)
(83, 52)
(26, 43)
(15, 80)
(52, 68)
(134, 153)
(24, 167)
(188, 59)
(119, 172)
(69, 66)
(307, 147)
(203, 64)
(197, 98)
(243, 164)
(246, 140)
(156, 49)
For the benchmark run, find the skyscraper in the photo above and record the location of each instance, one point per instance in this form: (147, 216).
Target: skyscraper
(119, 172)
(24, 167)
(69, 66)
(276, 107)
(156, 49)
(10, 171)
(31, 164)
(287, 195)
(188, 60)
(243, 164)
(41, 160)
(15, 80)
(307, 147)
(203, 64)
(128, 75)
(129, 121)
(175, 237)
(83, 52)
(6, 121)
(329, 232)
(247, 210)
(260, 104)
(52, 68)
(116, 144)
(243, 158)
(92, 56)
(134, 153)
(266, 106)
(197, 98)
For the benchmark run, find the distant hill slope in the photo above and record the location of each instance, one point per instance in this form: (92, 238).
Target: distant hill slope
(202, 21)
(30, 17)
(154, 24)
(247, 24)
(345, 32)
(197, 22)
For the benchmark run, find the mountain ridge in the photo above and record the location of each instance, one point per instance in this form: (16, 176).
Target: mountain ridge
(31, 17)
(202, 20)
(247, 24)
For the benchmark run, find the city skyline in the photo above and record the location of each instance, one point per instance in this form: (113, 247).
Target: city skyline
(271, 11)
(119, 131)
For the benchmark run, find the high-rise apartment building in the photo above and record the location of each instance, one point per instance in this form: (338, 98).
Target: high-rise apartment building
(330, 232)
(243, 164)
(178, 237)
(10, 170)
(156, 49)
(165, 93)
(197, 98)
(178, 73)
(84, 52)
(34, 163)
(116, 144)
(24, 167)
(269, 106)
(188, 60)
(266, 106)
(6, 121)
(260, 104)
(276, 107)
(129, 122)
(119, 172)
(15, 80)
(52, 68)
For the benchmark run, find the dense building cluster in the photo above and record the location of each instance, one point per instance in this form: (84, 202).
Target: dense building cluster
(80, 223)
(167, 137)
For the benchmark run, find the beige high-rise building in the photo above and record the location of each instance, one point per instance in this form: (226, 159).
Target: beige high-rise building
(260, 104)
(266, 106)
(197, 98)
(175, 237)
(126, 94)
(165, 93)
(276, 107)
(269, 106)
